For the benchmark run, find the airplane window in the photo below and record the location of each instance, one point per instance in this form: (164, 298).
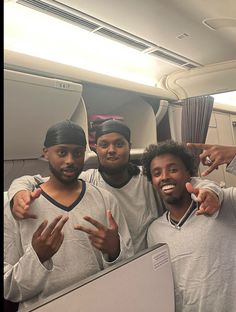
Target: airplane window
(227, 98)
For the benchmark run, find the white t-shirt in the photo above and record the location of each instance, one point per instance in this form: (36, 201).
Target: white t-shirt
(138, 201)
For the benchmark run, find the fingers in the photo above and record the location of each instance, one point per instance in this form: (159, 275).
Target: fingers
(207, 209)
(84, 229)
(22, 199)
(21, 213)
(193, 191)
(209, 170)
(36, 193)
(60, 225)
(198, 196)
(94, 222)
(40, 229)
(98, 232)
(21, 204)
(111, 221)
(207, 157)
(105, 239)
(190, 188)
(47, 240)
(209, 202)
(55, 226)
(200, 211)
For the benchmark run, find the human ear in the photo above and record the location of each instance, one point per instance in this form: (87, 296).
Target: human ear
(45, 152)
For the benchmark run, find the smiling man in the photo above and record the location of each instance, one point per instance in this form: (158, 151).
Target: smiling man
(202, 248)
(139, 202)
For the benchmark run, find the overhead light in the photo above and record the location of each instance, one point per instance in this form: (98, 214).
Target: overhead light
(85, 21)
(33, 33)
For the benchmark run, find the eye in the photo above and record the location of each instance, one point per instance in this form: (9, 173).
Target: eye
(78, 154)
(173, 170)
(120, 144)
(61, 153)
(156, 173)
(103, 144)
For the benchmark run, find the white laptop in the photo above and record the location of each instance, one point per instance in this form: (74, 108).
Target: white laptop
(142, 283)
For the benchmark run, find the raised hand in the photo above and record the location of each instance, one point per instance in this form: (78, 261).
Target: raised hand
(208, 200)
(103, 238)
(214, 155)
(47, 240)
(21, 204)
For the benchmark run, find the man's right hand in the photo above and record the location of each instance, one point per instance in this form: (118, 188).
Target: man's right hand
(21, 204)
(47, 239)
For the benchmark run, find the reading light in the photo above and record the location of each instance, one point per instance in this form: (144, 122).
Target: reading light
(33, 33)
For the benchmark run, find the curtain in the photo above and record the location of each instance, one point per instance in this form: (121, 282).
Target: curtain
(196, 114)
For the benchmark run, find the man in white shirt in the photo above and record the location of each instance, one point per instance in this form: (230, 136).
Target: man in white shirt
(202, 249)
(79, 229)
(139, 202)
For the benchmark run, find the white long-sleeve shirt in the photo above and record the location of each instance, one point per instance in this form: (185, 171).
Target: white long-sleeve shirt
(137, 199)
(26, 279)
(203, 257)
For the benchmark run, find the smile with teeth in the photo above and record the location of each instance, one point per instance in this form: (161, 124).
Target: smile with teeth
(168, 188)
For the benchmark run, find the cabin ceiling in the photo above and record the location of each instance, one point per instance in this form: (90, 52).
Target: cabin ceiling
(178, 34)
(165, 22)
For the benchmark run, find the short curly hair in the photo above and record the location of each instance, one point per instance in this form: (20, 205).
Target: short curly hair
(168, 147)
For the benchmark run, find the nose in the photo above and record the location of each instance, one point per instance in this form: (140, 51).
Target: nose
(164, 174)
(111, 148)
(69, 158)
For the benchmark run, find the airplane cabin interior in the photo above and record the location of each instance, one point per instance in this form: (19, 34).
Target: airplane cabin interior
(139, 60)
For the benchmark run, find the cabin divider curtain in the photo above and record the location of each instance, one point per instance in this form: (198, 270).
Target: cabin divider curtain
(196, 114)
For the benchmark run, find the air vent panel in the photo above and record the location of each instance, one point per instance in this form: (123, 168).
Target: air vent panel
(92, 24)
(190, 66)
(121, 38)
(168, 57)
(57, 12)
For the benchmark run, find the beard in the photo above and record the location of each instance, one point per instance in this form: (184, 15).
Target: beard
(65, 180)
(113, 170)
(171, 200)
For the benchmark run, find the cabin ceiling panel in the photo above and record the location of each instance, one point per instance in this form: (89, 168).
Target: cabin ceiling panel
(163, 21)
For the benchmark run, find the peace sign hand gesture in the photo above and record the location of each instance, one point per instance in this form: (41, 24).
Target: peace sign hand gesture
(46, 241)
(103, 238)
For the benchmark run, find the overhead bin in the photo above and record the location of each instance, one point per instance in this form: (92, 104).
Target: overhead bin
(44, 99)
(32, 104)
(35, 65)
(211, 79)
